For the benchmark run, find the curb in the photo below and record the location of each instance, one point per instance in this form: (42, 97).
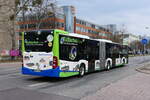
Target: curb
(144, 69)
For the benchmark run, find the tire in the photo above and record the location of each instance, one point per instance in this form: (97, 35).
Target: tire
(124, 61)
(82, 70)
(108, 66)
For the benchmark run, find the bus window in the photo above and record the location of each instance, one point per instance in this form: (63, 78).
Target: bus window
(36, 41)
(71, 49)
(69, 52)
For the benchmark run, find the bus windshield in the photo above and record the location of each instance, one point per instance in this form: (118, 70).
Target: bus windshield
(38, 41)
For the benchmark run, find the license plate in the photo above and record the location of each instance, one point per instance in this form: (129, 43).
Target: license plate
(37, 70)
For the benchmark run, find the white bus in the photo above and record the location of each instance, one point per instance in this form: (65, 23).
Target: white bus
(56, 53)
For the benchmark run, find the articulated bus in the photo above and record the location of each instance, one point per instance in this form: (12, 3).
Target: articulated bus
(56, 53)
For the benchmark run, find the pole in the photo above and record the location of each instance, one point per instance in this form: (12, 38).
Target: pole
(144, 48)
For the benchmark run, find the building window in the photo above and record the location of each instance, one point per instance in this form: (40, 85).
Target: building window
(31, 25)
(23, 26)
(93, 26)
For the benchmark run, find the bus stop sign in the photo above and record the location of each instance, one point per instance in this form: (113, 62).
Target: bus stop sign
(144, 41)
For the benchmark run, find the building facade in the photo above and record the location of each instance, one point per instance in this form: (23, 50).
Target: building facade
(111, 27)
(69, 18)
(58, 22)
(129, 38)
(81, 26)
(66, 21)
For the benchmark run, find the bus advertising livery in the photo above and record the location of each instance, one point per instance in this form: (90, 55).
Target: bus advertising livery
(56, 53)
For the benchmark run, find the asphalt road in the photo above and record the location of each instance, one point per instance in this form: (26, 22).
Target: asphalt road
(14, 85)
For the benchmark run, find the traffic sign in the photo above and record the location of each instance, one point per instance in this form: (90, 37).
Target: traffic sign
(144, 41)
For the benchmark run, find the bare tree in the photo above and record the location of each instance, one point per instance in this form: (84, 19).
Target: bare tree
(42, 11)
(148, 45)
(42, 8)
(15, 8)
(117, 38)
(136, 46)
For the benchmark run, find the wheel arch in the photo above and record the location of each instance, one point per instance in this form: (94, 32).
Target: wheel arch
(81, 62)
(124, 59)
(108, 60)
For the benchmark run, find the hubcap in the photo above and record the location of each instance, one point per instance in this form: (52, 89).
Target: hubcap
(108, 66)
(123, 61)
(82, 71)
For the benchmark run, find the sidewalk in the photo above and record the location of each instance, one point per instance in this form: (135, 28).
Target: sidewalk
(136, 87)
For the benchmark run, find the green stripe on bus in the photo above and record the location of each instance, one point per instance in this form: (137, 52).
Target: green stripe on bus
(56, 43)
(67, 74)
(23, 47)
(56, 46)
(119, 65)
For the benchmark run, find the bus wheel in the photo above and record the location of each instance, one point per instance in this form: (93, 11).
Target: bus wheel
(108, 65)
(81, 71)
(124, 61)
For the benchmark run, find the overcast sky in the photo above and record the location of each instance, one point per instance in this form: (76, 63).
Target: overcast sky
(134, 14)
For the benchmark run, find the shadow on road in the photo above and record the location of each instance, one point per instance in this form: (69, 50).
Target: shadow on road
(51, 79)
(67, 79)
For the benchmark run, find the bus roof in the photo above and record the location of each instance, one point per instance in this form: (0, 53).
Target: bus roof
(87, 37)
(78, 35)
(44, 30)
(104, 40)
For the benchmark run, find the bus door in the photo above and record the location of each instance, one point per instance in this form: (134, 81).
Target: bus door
(102, 55)
(91, 48)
